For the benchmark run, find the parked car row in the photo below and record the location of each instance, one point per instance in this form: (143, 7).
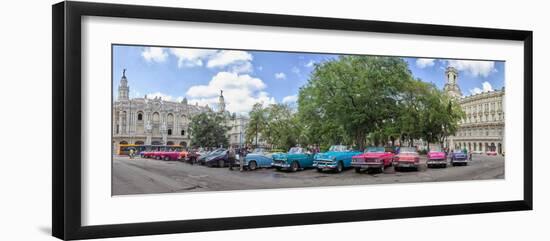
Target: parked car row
(337, 158)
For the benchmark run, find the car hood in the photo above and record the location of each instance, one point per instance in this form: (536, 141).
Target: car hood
(407, 155)
(372, 155)
(436, 154)
(280, 156)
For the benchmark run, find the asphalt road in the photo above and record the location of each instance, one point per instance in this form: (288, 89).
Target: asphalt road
(143, 176)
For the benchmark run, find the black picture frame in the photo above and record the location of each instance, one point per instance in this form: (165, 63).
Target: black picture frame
(66, 127)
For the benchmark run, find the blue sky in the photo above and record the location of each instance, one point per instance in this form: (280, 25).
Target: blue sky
(248, 77)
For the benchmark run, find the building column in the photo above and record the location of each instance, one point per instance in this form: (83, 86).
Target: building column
(120, 122)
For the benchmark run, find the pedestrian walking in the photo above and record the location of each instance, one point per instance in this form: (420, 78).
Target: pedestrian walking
(131, 154)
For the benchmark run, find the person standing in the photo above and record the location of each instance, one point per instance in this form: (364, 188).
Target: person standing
(231, 157)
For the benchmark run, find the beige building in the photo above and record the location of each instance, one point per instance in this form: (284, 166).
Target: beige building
(151, 121)
(154, 121)
(482, 129)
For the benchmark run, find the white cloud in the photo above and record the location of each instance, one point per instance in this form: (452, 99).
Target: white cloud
(474, 67)
(485, 87)
(154, 54)
(260, 68)
(244, 67)
(310, 64)
(191, 57)
(226, 57)
(164, 97)
(290, 99)
(241, 92)
(280, 75)
(423, 63)
(295, 70)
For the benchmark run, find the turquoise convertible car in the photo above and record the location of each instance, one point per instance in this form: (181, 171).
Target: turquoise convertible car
(257, 159)
(295, 159)
(337, 158)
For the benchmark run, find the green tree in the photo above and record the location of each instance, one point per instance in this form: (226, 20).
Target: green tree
(208, 130)
(353, 96)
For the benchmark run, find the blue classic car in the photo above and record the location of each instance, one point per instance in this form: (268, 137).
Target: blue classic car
(337, 158)
(257, 159)
(459, 157)
(295, 159)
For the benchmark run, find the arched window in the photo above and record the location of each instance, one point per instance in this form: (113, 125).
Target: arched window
(169, 132)
(124, 143)
(139, 143)
(183, 132)
(140, 116)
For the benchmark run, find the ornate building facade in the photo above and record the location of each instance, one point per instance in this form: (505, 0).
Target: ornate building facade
(154, 121)
(151, 121)
(482, 129)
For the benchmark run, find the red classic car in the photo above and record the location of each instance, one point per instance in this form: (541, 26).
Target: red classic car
(168, 155)
(148, 154)
(373, 157)
(407, 157)
(491, 153)
(436, 157)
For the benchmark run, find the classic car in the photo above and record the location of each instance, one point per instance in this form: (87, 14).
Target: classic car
(407, 157)
(219, 159)
(258, 158)
(491, 153)
(459, 157)
(192, 156)
(372, 158)
(168, 155)
(436, 157)
(337, 158)
(149, 154)
(202, 159)
(295, 159)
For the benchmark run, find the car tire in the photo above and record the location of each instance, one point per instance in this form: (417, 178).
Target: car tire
(278, 168)
(396, 168)
(221, 163)
(358, 170)
(252, 165)
(294, 166)
(339, 167)
(319, 170)
(429, 165)
(167, 158)
(157, 158)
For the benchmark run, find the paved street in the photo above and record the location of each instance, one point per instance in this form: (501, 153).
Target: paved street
(142, 176)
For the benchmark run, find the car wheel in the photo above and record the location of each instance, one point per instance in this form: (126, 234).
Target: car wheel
(339, 167)
(157, 157)
(278, 168)
(294, 166)
(358, 169)
(221, 163)
(167, 158)
(429, 165)
(319, 170)
(396, 168)
(252, 165)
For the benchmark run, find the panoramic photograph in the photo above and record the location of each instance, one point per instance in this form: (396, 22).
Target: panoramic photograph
(201, 119)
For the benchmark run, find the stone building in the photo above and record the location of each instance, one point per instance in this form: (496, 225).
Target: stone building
(482, 129)
(154, 121)
(151, 121)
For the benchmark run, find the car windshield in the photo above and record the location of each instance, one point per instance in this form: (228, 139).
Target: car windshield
(436, 148)
(295, 150)
(338, 148)
(374, 149)
(407, 150)
(457, 151)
